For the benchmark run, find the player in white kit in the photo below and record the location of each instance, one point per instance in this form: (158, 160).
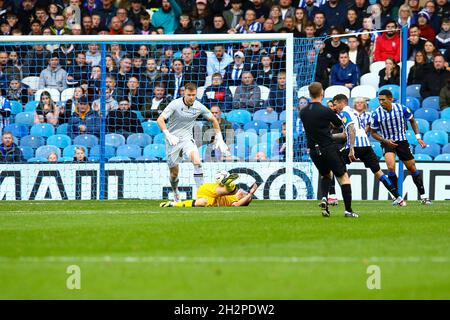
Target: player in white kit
(181, 115)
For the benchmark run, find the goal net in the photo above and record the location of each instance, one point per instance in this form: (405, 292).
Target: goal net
(81, 113)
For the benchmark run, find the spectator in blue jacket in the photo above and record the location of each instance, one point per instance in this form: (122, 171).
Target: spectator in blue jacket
(345, 73)
(218, 94)
(84, 120)
(335, 11)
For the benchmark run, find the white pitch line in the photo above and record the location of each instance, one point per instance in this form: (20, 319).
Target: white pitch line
(222, 260)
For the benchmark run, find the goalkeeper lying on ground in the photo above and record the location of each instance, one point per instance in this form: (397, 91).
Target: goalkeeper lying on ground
(221, 194)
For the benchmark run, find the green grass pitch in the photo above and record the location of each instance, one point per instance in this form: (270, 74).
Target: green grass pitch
(270, 250)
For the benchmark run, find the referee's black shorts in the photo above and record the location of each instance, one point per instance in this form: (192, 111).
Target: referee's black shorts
(329, 159)
(366, 155)
(402, 150)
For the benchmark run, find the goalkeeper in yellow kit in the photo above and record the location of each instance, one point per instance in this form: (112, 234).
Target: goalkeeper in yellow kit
(222, 194)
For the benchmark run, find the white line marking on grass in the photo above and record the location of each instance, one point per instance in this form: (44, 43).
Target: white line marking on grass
(223, 260)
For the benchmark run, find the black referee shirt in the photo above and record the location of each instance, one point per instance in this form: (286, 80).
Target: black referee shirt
(316, 120)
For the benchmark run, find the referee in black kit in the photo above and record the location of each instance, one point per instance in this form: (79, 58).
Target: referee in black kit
(324, 152)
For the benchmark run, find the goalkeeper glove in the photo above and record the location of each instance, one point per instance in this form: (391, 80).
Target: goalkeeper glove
(221, 145)
(171, 139)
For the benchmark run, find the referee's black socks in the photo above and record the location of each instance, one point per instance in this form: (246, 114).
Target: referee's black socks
(325, 186)
(347, 195)
(418, 181)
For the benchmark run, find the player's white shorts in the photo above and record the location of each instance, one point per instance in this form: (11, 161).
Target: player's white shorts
(175, 153)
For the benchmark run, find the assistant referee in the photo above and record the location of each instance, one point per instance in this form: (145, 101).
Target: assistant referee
(324, 152)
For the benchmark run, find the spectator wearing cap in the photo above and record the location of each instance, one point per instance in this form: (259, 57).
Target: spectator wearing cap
(53, 76)
(167, 16)
(423, 21)
(83, 120)
(388, 44)
(201, 16)
(233, 72)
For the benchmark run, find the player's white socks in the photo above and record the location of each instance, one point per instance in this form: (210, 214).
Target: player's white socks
(174, 185)
(198, 175)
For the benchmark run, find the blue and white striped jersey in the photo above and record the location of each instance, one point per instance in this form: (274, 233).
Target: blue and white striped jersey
(5, 105)
(391, 124)
(365, 118)
(252, 27)
(349, 116)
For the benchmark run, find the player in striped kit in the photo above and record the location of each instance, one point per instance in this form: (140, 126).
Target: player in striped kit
(388, 124)
(360, 106)
(358, 144)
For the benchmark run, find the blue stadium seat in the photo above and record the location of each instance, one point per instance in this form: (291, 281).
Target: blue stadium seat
(239, 116)
(431, 103)
(445, 114)
(16, 107)
(276, 125)
(446, 148)
(436, 136)
(441, 124)
(432, 149)
(426, 114)
(129, 150)
(44, 151)
(37, 160)
(151, 128)
(42, 130)
(17, 130)
(270, 138)
(110, 152)
(62, 129)
(261, 147)
(114, 139)
(373, 104)
(119, 159)
(413, 91)
(377, 149)
(145, 158)
(282, 116)
(139, 115)
(239, 151)
(156, 151)
(27, 152)
(65, 159)
(395, 89)
(69, 151)
(87, 140)
(424, 125)
(59, 140)
(256, 126)
(411, 137)
(140, 139)
(247, 138)
(422, 157)
(159, 139)
(31, 106)
(32, 141)
(202, 151)
(443, 157)
(412, 103)
(263, 115)
(25, 118)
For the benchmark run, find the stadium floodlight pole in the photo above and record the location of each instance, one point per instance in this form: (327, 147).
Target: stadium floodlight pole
(404, 68)
(289, 116)
(102, 177)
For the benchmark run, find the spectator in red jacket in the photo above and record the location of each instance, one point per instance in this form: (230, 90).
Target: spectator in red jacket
(426, 31)
(388, 44)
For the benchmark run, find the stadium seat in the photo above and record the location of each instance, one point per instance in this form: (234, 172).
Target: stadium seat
(376, 67)
(17, 130)
(202, 151)
(65, 159)
(331, 91)
(377, 149)
(114, 139)
(239, 151)
(263, 115)
(443, 157)
(366, 91)
(159, 139)
(32, 141)
(62, 129)
(129, 150)
(256, 126)
(69, 151)
(44, 151)
(261, 147)
(409, 65)
(54, 94)
(144, 158)
(156, 151)
(239, 116)
(118, 159)
(370, 79)
(87, 140)
(42, 130)
(67, 94)
(446, 148)
(276, 125)
(412, 103)
(423, 124)
(395, 89)
(248, 138)
(422, 157)
(151, 128)
(27, 152)
(436, 136)
(264, 93)
(32, 82)
(270, 138)
(25, 118)
(431, 103)
(16, 107)
(426, 114)
(283, 115)
(445, 114)
(139, 115)
(110, 152)
(31, 106)
(37, 160)
(432, 149)
(413, 90)
(59, 140)
(303, 92)
(140, 139)
(411, 137)
(373, 104)
(441, 124)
